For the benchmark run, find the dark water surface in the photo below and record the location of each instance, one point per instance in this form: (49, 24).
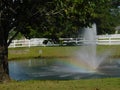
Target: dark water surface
(59, 69)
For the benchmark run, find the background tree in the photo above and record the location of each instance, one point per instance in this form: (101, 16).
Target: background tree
(71, 15)
(108, 17)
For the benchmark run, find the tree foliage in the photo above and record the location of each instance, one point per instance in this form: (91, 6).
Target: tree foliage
(108, 17)
(64, 18)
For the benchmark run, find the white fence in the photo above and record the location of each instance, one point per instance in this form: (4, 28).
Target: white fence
(20, 43)
(113, 39)
(31, 42)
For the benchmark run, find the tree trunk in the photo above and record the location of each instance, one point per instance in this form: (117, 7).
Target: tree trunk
(4, 71)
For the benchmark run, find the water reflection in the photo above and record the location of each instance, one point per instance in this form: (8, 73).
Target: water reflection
(51, 69)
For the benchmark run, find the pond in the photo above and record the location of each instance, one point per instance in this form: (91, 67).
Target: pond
(60, 69)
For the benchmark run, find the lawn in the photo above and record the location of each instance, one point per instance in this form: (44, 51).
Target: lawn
(90, 84)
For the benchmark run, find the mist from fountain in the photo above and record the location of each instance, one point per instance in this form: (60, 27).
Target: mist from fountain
(87, 53)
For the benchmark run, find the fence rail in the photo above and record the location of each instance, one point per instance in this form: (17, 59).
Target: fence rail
(31, 42)
(20, 43)
(113, 39)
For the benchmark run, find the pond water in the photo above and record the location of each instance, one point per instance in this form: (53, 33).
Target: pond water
(60, 69)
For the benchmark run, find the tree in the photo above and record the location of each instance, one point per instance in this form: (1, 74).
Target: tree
(51, 18)
(108, 17)
(15, 15)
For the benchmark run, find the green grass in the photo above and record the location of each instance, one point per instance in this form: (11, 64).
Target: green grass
(90, 84)
(50, 52)
(113, 50)
(33, 52)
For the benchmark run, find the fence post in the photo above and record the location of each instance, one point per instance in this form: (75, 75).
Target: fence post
(109, 40)
(29, 43)
(14, 43)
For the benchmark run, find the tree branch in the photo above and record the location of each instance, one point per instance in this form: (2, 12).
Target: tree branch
(9, 6)
(10, 40)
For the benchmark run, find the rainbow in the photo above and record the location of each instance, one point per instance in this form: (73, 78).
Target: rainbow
(77, 65)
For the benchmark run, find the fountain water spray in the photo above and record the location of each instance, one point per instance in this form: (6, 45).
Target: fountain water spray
(87, 54)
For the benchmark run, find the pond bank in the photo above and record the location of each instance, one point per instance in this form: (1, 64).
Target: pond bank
(57, 52)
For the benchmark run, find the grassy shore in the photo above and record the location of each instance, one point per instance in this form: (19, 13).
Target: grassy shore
(90, 84)
(50, 52)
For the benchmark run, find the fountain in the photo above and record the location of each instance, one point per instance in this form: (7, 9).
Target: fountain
(87, 54)
(90, 61)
